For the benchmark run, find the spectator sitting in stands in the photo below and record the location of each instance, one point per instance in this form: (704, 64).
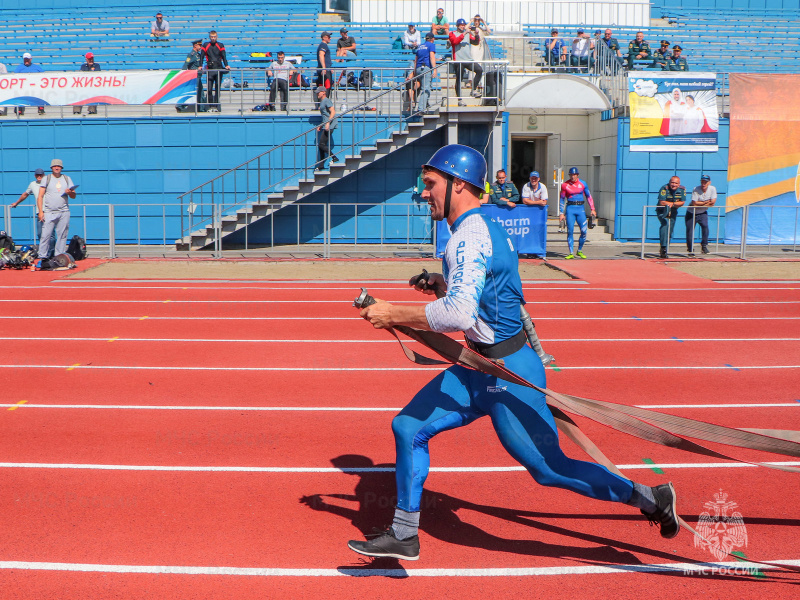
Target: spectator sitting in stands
(345, 45)
(661, 56)
(613, 45)
(638, 49)
(439, 24)
(555, 51)
(411, 37)
(28, 66)
(677, 62)
(89, 65)
(582, 52)
(159, 29)
(479, 23)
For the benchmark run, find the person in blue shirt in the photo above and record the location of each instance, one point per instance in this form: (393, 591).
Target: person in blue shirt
(28, 66)
(480, 293)
(425, 70)
(554, 53)
(504, 192)
(324, 63)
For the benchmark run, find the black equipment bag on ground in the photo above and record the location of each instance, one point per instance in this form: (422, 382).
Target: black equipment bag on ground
(6, 241)
(77, 248)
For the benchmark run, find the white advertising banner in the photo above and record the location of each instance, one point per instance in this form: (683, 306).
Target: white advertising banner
(101, 87)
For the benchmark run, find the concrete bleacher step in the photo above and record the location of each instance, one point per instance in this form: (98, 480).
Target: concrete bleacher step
(291, 194)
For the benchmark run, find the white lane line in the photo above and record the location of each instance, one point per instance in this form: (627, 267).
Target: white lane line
(756, 281)
(537, 318)
(343, 408)
(233, 469)
(368, 369)
(732, 568)
(312, 284)
(344, 301)
(387, 341)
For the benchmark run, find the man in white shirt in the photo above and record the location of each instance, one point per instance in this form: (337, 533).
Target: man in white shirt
(280, 71)
(534, 193)
(703, 196)
(411, 37)
(32, 189)
(582, 51)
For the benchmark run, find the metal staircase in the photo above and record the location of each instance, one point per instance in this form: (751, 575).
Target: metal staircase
(264, 202)
(287, 173)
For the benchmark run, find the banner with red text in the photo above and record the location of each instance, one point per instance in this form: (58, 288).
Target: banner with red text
(101, 87)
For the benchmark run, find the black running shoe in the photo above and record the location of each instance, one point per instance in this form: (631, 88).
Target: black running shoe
(665, 516)
(385, 545)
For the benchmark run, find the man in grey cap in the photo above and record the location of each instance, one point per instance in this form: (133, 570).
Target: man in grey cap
(54, 209)
(345, 45)
(325, 129)
(32, 189)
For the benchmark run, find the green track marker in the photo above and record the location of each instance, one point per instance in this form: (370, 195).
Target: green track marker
(759, 573)
(555, 367)
(650, 461)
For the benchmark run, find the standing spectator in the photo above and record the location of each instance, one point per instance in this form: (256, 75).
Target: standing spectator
(661, 56)
(533, 192)
(216, 62)
(703, 196)
(324, 64)
(613, 45)
(53, 209)
(638, 49)
(325, 129)
(479, 23)
(28, 66)
(89, 65)
(462, 57)
(439, 24)
(425, 65)
(670, 197)
(281, 71)
(504, 193)
(345, 45)
(555, 51)
(32, 189)
(411, 37)
(676, 62)
(581, 53)
(194, 62)
(159, 29)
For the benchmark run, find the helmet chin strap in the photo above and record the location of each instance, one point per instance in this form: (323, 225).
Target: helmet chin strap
(447, 195)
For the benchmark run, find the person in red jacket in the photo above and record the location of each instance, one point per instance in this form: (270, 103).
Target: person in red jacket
(461, 43)
(216, 62)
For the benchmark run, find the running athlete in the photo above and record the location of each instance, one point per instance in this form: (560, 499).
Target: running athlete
(573, 193)
(481, 294)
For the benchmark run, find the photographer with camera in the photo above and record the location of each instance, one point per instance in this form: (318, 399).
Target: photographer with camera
(461, 43)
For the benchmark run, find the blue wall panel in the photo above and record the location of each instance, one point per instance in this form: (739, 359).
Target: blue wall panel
(641, 174)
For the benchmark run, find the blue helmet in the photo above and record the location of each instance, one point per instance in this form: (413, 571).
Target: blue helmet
(574, 171)
(25, 249)
(460, 161)
(461, 22)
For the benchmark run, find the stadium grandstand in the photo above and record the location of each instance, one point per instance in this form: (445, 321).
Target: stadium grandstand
(161, 170)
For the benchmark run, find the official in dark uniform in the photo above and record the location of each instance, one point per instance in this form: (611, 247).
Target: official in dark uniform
(661, 56)
(676, 62)
(194, 62)
(504, 193)
(638, 49)
(670, 198)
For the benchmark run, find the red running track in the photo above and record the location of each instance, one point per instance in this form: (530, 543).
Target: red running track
(274, 520)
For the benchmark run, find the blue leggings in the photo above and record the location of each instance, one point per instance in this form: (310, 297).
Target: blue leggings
(523, 423)
(576, 212)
